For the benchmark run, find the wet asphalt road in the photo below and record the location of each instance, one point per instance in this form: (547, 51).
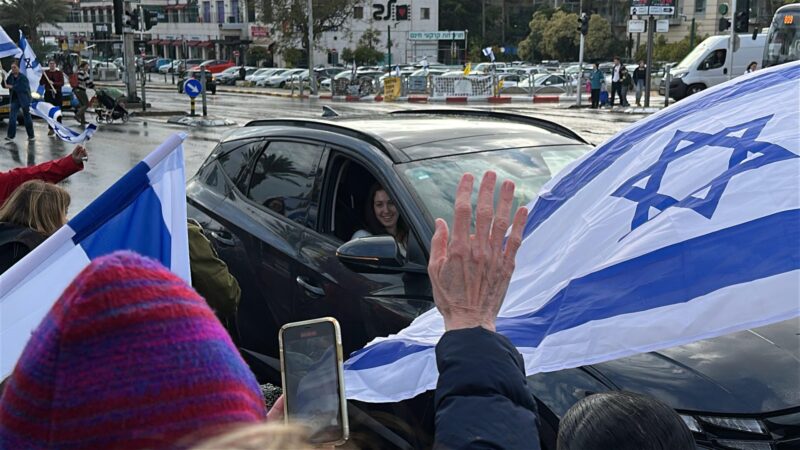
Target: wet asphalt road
(116, 148)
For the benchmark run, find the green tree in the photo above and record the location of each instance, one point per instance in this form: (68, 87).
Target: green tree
(530, 49)
(329, 15)
(30, 14)
(256, 54)
(560, 38)
(293, 56)
(367, 56)
(347, 56)
(598, 40)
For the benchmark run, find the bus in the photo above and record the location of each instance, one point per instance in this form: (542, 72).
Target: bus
(783, 39)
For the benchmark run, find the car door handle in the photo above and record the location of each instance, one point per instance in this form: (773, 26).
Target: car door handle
(223, 237)
(314, 291)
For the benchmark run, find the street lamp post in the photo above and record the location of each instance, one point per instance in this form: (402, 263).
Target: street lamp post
(312, 76)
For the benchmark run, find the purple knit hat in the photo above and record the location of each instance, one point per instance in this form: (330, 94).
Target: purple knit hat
(129, 357)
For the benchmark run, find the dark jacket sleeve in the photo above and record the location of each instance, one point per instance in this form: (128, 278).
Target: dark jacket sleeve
(482, 397)
(50, 171)
(210, 276)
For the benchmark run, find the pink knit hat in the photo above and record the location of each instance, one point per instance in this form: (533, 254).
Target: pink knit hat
(129, 357)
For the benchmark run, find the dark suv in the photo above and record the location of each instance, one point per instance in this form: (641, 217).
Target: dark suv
(280, 198)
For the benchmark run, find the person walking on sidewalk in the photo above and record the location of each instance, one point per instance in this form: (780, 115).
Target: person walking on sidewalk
(616, 81)
(596, 79)
(626, 83)
(53, 81)
(20, 90)
(639, 81)
(84, 82)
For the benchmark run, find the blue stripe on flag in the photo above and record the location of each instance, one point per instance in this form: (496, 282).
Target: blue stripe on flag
(606, 155)
(126, 216)
(9, 47)
(671, 275)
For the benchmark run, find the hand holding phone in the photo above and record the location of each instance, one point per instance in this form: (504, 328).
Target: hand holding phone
(313, 379)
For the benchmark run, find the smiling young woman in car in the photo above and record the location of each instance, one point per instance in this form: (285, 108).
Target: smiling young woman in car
(382, 217)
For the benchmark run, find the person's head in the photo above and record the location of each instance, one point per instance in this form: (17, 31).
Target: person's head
(596, 66)
(128, 355)
(83, 66)
(382, 214)
(616, 60)
(752, 66)
(37, 205)
(15, 68)
(641, 64)
(52, 64)
(623, 421)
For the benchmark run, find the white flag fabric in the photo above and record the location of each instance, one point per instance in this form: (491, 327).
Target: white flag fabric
(144, 211)
(7, 46)
(682, 227)
(28, 63)
(489, 52)
(51, 113)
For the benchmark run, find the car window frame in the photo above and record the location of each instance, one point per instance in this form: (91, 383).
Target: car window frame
(245, 194)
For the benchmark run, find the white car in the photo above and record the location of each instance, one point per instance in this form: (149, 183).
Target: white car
(261, 76)
(259, 73)
(283, 78)
(169, 67)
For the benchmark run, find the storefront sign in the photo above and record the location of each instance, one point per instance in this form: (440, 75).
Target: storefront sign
(256, 31)
(436, 36)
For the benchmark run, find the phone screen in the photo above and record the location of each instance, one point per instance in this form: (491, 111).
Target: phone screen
(312, 380)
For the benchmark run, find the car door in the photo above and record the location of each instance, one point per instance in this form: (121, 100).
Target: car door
(367, 305)
(279, 190)
(713, 69)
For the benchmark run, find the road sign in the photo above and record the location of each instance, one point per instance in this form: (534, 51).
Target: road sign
(636, 26)
(662, 26)
(436, 35)
(662, 10)
(192, 88)
(236, 53)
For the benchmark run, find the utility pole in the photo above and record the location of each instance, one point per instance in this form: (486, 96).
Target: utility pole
(651, 24)
(312, 76)
(389, 46)
(483, 22)
(731, 40)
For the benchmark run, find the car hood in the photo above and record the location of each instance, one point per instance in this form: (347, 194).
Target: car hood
(748, 372)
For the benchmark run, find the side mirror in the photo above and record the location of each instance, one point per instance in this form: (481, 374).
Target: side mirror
(372, 254)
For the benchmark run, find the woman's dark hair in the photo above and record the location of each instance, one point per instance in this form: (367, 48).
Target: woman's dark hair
(623, 421)
(374, 226)
(83, 64)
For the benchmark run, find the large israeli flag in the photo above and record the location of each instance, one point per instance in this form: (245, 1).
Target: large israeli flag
(7, 46)
(51, 113)
(685, 226)
(28, 63)
(145, 211)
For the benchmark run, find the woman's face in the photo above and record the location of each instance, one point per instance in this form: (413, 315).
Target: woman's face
(385, 210)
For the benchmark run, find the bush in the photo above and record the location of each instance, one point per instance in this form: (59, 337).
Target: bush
(256, 54)
(293, 57)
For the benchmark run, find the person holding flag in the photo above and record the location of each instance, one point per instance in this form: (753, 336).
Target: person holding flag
(19, 88)
(29, 64)
(52, 81)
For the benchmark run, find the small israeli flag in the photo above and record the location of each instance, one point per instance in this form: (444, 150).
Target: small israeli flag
(488, 52)
(28, 63)
(144, 211)
(51, 113)
(7, 46)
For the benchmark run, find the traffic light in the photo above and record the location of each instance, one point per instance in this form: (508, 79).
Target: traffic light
(724, 24)
(132, 20)
(741, 19)
(150, 18)
(402, 12)
(583, 24)
(119, 8)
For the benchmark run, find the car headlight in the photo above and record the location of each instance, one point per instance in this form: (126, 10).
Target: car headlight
(731, 423)
(679, 75)
(691, 423)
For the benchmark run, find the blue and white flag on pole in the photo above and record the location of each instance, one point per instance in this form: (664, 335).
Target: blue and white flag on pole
(684, 226)
(488, 52)
(28, 63)
(7, 46)
(144, 211)
(51, 113)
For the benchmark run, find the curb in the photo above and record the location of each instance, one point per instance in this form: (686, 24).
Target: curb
(156, 113)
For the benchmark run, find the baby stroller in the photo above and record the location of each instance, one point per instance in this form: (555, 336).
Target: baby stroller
(110, 106)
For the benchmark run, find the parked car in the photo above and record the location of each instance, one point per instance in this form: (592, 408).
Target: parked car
(261, 74)
(230, 75)
(153, 64)
(211, 81)
(277, 198)
(215, 65)
(280, 79)
(170, 67)
(547, 84)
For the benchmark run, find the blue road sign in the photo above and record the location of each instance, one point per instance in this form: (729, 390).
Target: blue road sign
(192, 88)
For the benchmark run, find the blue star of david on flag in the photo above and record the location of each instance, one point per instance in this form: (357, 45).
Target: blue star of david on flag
(748, 154)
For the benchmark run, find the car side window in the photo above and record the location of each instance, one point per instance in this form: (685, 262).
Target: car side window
(238, 156)
(715, 60)
(283, 177)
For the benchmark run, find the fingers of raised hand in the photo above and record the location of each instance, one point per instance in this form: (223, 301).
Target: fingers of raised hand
(502, 216)
(462, 217)
(438, 249)
(514, 240)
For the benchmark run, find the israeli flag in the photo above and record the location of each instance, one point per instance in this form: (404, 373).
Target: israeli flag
(144, 211)
(7, 46)
(28, 63)
(684, 226)
(489, 53)
(51, 113)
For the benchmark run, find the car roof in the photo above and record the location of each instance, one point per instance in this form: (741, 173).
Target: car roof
(414, 135)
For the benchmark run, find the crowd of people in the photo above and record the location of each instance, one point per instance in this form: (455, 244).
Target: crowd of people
(130, 356)
(52, 82)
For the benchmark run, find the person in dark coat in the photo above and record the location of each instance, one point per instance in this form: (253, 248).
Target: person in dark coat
(34, 211)
(639, 81)
(482, 398)
(596, 79)
(20, 91)
(53, 81)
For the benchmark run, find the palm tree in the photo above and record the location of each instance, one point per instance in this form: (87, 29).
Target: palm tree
(30, 14)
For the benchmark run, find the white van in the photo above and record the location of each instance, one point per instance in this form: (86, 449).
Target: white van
(707, 64)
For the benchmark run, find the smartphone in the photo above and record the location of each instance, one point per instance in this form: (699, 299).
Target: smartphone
(313, 379)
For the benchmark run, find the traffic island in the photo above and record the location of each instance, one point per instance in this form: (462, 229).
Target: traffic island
(200, 121)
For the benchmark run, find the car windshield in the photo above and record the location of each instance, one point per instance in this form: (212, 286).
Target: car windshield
(692, 57)
(435, 180)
